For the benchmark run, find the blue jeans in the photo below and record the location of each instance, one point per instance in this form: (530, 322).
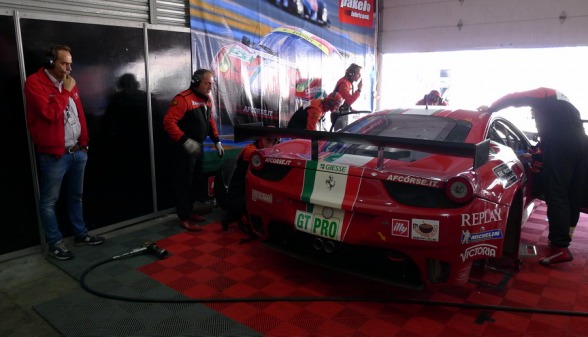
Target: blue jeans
(55, 173)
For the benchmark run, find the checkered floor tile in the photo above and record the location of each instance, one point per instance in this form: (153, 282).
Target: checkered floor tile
(535, 301)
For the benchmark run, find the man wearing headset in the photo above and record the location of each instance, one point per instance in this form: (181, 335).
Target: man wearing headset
(345, 86)
(57, 125)
(188, 121)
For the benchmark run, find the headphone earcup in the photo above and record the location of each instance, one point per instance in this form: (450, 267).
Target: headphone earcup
(49, 62)
(196, 79)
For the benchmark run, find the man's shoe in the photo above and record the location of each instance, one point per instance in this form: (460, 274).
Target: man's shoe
(557, 255)
(197, 218)
(59, 251)
(88, 239)
(189, 225)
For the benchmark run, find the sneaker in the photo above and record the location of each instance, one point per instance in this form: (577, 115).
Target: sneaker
(59, 251)
(88, 239)
(557, 255)
(190, 226)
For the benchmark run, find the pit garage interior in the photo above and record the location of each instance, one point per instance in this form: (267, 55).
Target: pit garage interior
(40, 297)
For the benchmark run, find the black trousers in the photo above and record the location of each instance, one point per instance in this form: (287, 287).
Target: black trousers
(188, 172)
(565, 162)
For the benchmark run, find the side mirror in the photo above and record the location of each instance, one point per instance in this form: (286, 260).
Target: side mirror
(245, 40)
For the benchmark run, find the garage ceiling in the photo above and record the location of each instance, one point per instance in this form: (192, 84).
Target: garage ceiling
(444, 25)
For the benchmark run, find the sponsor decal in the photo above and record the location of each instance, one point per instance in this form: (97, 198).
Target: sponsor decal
(467, 237)
(481, 218)
(426, 230)
(483, 249)
(345, 159)
(257, 111)
(174, 102)
(400, 227)
(357, 12)
(505, 174)
(278, 161)
(412, 180)
(257, 195)
(333, 168)
(316, 224)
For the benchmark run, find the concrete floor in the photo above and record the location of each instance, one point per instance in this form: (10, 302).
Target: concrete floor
(24, 283)
(31, 280)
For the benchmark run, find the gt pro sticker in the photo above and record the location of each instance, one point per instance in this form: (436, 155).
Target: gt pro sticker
(316, 224)
(424, 229)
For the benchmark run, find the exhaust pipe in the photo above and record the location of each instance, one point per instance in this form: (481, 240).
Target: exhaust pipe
(318, 244)
(329, 247)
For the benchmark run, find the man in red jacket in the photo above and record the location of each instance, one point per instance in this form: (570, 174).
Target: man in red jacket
(309, 117)
(564, 148)
(57, 125)
(188, 121)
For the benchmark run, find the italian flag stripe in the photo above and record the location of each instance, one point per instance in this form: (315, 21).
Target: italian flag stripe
(309, 177)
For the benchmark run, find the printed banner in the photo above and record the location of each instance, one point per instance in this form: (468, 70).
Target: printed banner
(271, 57)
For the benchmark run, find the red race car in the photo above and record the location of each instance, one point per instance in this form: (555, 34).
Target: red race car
(432, 190)
(268, 80)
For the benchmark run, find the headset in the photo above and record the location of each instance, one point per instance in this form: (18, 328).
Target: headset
(49, 62)
(197, 77)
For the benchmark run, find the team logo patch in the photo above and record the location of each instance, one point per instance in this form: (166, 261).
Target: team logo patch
(400, 227)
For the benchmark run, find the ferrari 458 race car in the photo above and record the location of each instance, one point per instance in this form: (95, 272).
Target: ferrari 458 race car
(267, 81)
(432, 190)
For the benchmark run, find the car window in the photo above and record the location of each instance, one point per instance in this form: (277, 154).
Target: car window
(403, 126)
(504, 134)
(412, 126)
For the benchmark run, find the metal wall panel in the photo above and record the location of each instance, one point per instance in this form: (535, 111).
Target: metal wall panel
(166, 12)
(173, 12)
(128, 10)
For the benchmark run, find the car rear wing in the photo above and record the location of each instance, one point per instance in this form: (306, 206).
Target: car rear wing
(478, 152)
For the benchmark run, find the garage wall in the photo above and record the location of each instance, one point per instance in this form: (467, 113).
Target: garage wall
(445, 25)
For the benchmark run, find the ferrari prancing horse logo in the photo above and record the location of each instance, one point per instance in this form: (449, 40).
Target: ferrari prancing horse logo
(330, 182)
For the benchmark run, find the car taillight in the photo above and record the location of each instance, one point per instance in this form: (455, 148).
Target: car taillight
(460, 189)
(257, 160)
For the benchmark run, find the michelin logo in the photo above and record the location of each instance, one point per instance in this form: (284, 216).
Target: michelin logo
(467, 237)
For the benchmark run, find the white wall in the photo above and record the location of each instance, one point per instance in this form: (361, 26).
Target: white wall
(432, 25)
